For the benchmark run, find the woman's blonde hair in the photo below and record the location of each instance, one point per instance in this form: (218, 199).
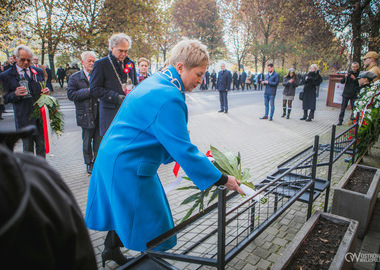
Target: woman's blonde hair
(143, 59)
(191, 52)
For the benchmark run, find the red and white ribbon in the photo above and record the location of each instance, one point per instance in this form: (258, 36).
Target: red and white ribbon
(46, 126)
(179, 178)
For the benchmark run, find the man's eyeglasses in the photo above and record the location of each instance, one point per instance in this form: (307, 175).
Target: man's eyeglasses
(24, 59)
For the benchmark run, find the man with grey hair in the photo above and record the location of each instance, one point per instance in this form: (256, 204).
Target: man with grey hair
(24, 96)
(109, 79)
(87, 113)
(350, 91)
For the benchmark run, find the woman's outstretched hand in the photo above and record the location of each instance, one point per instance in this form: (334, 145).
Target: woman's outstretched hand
(233, 184)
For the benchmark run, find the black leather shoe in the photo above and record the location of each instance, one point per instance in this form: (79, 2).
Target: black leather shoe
(264, 117)
(221, 111)
(226, 112)
(303, 118)
(339, 123)
(308, 120)
(271, 119)
(115, 255)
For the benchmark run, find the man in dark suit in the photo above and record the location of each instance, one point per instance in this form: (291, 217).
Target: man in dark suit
(207, 76)
(271, 82)
(78, 90)
(61, 76)
(223, 85)
(243, 77)
(109, 79)
(22, 100)
(235, 80)
(259, 81)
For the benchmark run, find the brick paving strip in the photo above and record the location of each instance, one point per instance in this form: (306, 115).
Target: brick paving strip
(262, 144)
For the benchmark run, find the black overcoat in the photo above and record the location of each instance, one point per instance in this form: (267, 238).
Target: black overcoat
(105, 86)
(310, 90)
(23, 107)
(86, 105)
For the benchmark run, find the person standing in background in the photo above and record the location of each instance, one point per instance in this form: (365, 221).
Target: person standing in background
(223, 85)
(351, 90)
(370, 64)
(87, 109)
(143, 69)
(271, 82)
(312, 80)
(61, 76)
(290, 83)
(213, 80)
(42, 67)
(23, 97)
(109, 79)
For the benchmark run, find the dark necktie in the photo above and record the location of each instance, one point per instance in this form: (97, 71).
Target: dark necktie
(121, 64)
(26, 74)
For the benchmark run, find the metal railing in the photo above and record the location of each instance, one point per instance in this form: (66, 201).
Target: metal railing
(216, 235)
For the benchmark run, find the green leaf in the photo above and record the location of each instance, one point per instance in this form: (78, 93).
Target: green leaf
(219, 168)
(245, 175)
(213, 196)
(192, 198)
(186, 188)
(191, 210)
(222, 160)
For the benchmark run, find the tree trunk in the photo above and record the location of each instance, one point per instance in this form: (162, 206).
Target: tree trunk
(164, 53)
(43, 52)
(374, 35)
(356, 33)
(263, 64)
(52, 67)
(256, 63)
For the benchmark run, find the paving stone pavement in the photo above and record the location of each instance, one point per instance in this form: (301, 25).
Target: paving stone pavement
(262, 145)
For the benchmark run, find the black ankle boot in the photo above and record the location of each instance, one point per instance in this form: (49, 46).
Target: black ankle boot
(284, 113)
(288, 116)
(311, 115)
(304, 115)
(112, 250)
(114, 254)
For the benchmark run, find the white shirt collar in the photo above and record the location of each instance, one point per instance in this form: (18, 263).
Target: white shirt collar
(21, 71)
(87, 74)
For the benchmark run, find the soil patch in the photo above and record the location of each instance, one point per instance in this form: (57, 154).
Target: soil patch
(319, 248)
(360, 180)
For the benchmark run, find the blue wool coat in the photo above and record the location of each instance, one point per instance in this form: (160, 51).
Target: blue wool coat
(125, 193)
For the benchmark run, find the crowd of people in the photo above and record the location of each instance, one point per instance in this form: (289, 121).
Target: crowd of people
(124, 145)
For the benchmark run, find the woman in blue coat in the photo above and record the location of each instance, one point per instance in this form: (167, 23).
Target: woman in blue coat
(125, 194)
